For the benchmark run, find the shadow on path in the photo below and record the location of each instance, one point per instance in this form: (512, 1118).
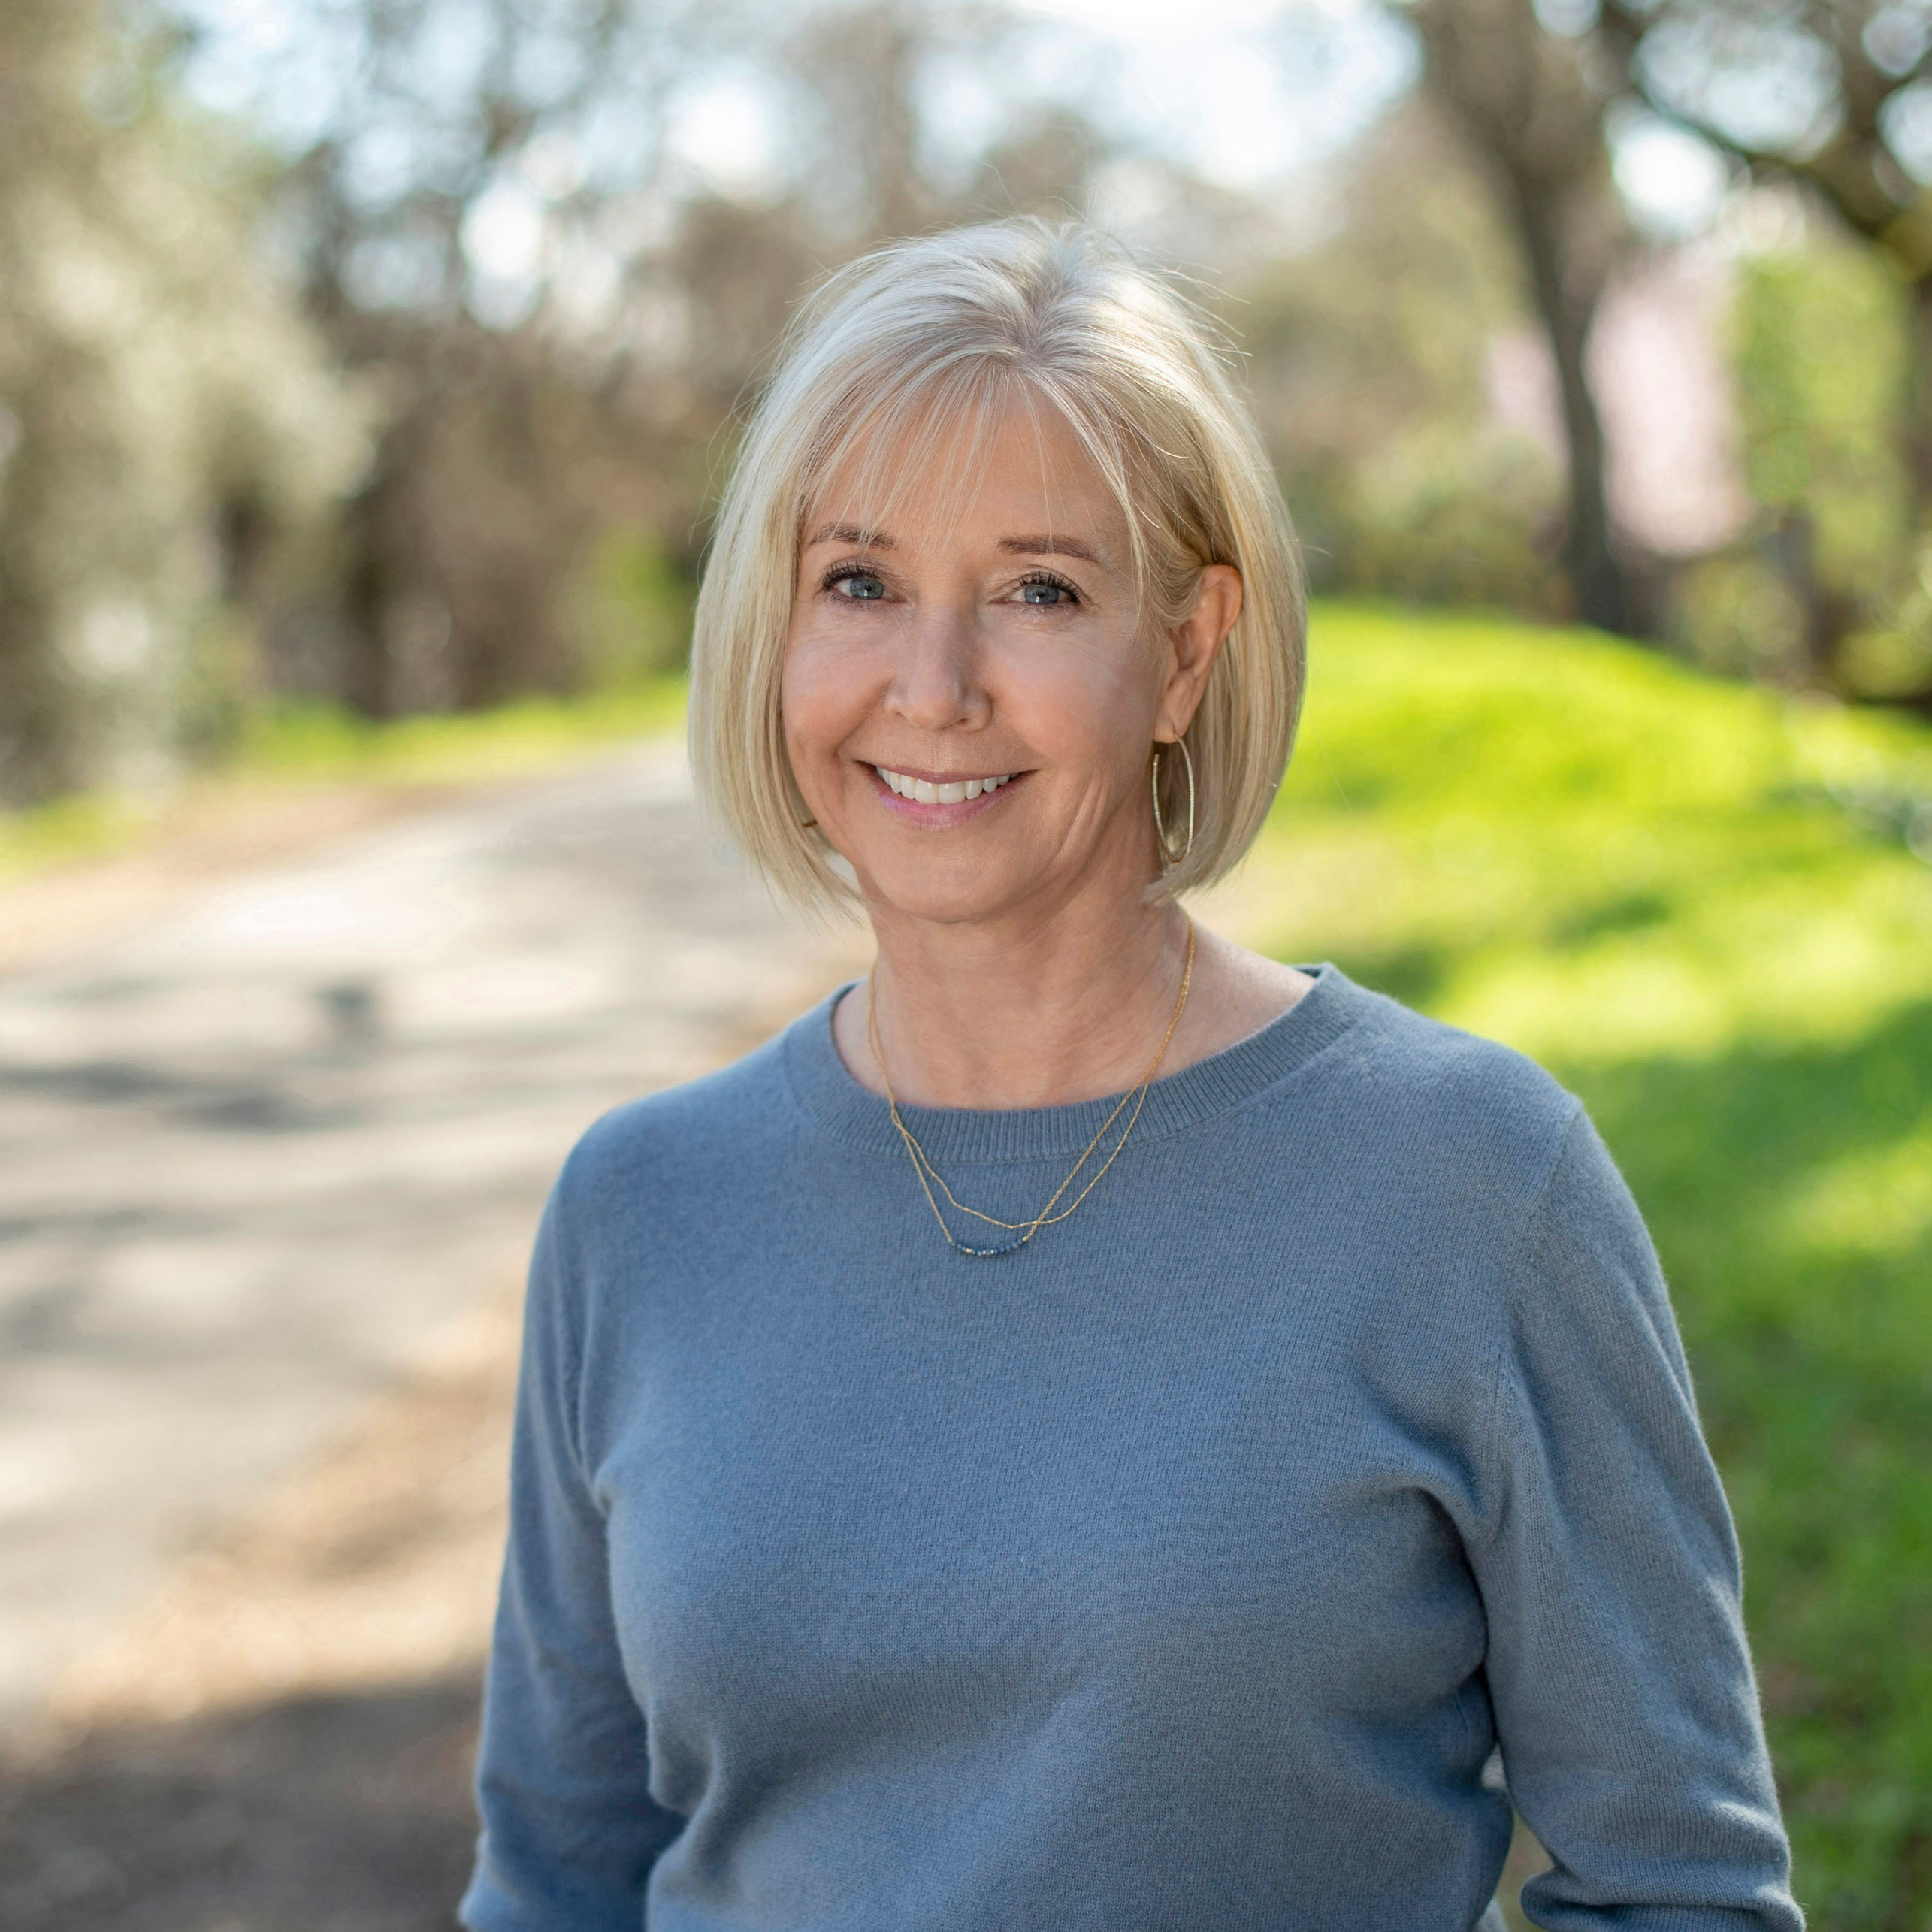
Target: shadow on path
(344, 1813)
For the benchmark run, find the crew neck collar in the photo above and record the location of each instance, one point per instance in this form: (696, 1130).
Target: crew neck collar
(860, 1119)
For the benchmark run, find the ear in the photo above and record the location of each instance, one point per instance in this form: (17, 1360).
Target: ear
(1193, 644)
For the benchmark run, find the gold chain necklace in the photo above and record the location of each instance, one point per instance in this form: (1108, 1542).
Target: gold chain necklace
(930, 1177)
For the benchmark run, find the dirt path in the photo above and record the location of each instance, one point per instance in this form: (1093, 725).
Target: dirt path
(225, 831)
(279, 1739)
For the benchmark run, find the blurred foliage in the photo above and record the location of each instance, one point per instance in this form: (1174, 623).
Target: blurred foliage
(1709, 910)
(630, 610)
(1828, 93)
(493, 422)
(415, 397)
(1828, 586)
(167, 424)
(1441, 516)
(1369, 362)
(564, 316)
(1735, 614)
(374, 418)
(1891, 660)
(78, 826)
(1827, 97)
(1820, 355)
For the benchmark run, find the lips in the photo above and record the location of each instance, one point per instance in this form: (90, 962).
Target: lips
(940, 791)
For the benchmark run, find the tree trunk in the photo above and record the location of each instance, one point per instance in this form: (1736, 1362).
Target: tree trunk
(1791, 547)
(1524, 99)
(1918, 413)
(1598, 579)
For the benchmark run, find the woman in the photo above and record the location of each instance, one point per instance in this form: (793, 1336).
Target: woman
(1090, 1428)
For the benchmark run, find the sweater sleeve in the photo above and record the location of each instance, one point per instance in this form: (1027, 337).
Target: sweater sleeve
(1624, 1703)
(569, 1829)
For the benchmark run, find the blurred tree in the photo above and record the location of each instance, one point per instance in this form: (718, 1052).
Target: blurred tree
(1836, 96)
(1372, 355)
(1530, 96)
(165, 417)
(504, 224)
(1819, 361)
(465, 155)
(860, 69)
(1807, 595)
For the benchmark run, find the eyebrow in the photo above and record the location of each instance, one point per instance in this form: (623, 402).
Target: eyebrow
(1053, 546)
(854, 533)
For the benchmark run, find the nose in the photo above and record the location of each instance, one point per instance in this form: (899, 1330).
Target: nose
(936, 686)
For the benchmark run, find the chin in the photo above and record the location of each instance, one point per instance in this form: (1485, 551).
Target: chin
(951, 898)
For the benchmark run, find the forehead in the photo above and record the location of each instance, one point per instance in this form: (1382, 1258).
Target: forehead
(1015, 464)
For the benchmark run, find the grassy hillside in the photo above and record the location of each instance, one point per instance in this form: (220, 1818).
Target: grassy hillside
(1700, 906)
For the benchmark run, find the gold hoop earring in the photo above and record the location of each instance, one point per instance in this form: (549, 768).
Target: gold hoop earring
(1169, 858)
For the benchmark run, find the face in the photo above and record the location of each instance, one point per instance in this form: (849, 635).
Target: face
(971, 695)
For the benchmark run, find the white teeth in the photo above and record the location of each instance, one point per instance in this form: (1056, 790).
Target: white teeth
(955, 791)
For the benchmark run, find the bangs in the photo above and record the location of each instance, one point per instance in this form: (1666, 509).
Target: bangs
(929, 433)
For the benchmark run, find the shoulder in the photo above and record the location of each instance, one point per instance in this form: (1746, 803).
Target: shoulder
(1506, 1165)
(655, 1152)
(1484, 1179)
(1451, 1107)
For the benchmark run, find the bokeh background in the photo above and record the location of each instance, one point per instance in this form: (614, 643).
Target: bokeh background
(367, 368)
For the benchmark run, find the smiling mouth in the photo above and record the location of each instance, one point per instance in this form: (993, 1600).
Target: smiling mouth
(948, 791)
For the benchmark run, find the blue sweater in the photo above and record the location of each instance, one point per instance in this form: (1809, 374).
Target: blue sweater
(1181, 1570)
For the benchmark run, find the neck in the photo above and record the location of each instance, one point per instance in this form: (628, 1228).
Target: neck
(1030, 1011)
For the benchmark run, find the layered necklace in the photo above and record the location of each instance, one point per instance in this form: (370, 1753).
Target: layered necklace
(1023, 1231)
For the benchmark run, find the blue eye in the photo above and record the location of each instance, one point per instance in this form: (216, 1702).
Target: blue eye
(1046, 593)
(857, 586)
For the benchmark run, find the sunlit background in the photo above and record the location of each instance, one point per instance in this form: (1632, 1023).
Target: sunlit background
(367, 369)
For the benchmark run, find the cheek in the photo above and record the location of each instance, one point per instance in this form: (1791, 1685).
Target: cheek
(1085, 708)
(825, 692)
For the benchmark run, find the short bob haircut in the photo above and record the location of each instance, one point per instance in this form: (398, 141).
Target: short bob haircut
(929, 336)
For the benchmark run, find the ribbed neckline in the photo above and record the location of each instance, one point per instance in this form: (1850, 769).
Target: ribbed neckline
(839, 1106)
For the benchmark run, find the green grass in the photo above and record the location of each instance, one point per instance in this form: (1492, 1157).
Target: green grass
(533, 734)
(90, 825)
(1695, 903)
(295, 744)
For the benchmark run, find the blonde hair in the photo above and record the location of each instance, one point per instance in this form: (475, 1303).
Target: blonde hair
(935, 333)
